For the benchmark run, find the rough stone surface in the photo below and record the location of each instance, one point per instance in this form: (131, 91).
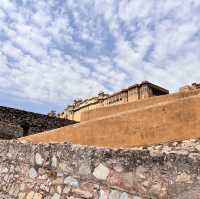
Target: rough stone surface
(101, 172)
(32, 173)
(184, 177)
(114, 194)
(38, 159)
(12, 120)
(166, 171)
(30, 195)
(56, 196)
(84, 169)
(81, 193)
(71, 181)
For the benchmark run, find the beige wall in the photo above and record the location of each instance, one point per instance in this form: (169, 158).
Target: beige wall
(106, 111)
(136, 93)
(144, 92)
(119, 98)
(171, 120)
(76, 114)
(133, 94)
(127, 95)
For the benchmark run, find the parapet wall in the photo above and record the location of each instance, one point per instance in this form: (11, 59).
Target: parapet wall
(168, 121)
(60, 171)
(115, 109)
(11, 121)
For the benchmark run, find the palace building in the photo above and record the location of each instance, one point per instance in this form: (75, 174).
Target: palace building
(130, 94)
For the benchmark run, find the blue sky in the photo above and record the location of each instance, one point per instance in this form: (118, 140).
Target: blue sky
(54, 51)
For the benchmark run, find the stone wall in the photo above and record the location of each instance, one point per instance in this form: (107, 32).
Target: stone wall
(167, 121)
(12, 121)
(65, 171)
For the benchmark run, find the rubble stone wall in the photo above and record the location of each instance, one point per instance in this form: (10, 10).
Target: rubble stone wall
(66, 171)
(11, 121)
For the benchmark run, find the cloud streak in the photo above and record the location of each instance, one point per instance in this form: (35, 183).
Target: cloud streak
(57, 51)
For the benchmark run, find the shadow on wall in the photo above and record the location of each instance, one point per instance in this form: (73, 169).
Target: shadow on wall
(25, 126)
(17, 123)
(10, 131)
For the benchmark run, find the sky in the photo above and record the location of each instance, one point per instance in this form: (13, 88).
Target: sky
(54, 51)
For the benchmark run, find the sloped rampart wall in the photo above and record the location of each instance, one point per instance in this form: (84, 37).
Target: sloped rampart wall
(115, 109)
(160, 123)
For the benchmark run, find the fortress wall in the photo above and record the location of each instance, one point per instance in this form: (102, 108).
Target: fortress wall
(60, 171)
(8, 131)
(11, 121)
(172, 120)
(110, 110)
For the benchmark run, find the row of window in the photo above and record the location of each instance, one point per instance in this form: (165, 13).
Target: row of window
(114, 100)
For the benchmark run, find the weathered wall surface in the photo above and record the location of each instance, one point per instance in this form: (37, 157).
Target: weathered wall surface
(169, 121)
(9, 131)
(11, 121)
(55, 171)
(111, 110)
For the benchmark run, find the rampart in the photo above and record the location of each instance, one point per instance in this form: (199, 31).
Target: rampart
(114, 109)
(13, 122)
(61, 171)
(177, 119)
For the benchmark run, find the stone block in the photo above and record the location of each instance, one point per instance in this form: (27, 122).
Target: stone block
(32, 173)
(71, 181)
(82, 193)
(101, 172)
(103, 194)
(38, 159)
(84, 169)
(56, 196)
(184, 178)
(114, 194)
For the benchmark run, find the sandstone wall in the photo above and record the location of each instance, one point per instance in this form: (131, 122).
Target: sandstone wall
(163, 122)
(111, 110)
(11, 121)
(65, 171)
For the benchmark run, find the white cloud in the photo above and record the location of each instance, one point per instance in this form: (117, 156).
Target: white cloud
(11, 51)
(54, 51)
(7, 5)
